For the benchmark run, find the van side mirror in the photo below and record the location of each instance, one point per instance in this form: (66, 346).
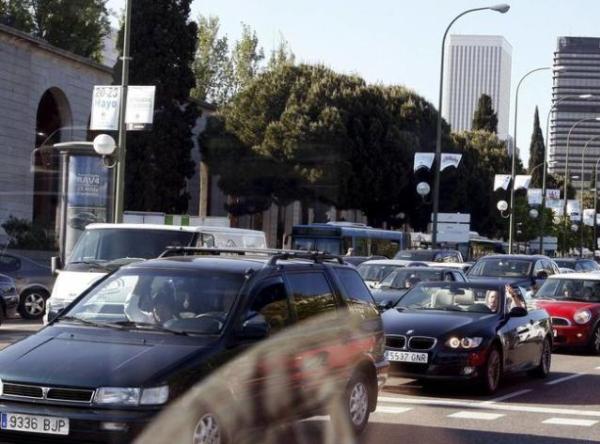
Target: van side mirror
(55, 265)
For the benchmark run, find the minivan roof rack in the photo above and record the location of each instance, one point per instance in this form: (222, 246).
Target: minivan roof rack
(316, 256)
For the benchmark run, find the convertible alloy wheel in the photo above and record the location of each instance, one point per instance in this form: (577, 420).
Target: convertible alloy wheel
(595, 341)
(493, 372)
(32, 304)
(207, 431)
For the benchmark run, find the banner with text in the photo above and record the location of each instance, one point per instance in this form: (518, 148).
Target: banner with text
(105, 108)
(553, 194)
(522, 181)
(501, 181)
(534, 196)
(450, 160)
(423, 160)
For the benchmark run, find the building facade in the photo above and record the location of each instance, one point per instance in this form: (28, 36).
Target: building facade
(476, 65)
(576, 102)
(46, 95)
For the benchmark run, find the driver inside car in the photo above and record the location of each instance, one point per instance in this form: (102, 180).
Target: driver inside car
(492, 300)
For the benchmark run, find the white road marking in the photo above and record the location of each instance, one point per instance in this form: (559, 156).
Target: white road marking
(492, 406)
(597, 368)
(566, 378)
(571, 422)
(387, 409)
(507, 396)
(476, 415)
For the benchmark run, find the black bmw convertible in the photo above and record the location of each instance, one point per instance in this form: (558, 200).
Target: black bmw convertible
(466, 331)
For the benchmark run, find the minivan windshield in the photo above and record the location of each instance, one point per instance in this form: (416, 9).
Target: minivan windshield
(103, 245)
(191, 301)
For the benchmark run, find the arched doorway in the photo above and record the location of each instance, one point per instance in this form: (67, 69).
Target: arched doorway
(53, 114)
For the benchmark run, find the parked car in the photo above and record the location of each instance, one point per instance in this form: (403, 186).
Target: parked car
(373, 272)
(466, 332)
(518, 270)
(577, 264)
(573, 302)
(34, 283)
(357, 260)
(395, 285)
(9, 299)
(438, 255)
(140, 337)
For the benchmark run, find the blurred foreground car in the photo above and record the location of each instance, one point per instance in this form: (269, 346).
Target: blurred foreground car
(398, 282)
(142, 336)
(9, 299)
(573, 302)
(34, 283)
(465, 331)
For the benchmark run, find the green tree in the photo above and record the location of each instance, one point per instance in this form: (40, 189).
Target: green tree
(212, 64)
(485, 117)
(246, 58)
(536, 151)
(163, 42)
(281, 55)
(15, 13)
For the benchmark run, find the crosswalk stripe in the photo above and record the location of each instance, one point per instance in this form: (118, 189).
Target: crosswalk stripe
(571, 422)
(476, 415)
(566, 378)
(387, 409)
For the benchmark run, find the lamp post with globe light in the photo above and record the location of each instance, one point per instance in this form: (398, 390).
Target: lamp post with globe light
(501, 8)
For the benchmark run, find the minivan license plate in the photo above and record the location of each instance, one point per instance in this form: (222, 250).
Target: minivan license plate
(34, 423)
(397, 356)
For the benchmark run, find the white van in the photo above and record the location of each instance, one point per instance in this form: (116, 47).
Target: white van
(104, 247)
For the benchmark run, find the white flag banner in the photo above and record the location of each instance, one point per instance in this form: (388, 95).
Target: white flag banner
(423, 160)
(501, 181)
(522, 181)
(588, 217)
(450, 160)
(140, 106)
(573, 209)
(106, 101)
(553, 194)
(534, 196)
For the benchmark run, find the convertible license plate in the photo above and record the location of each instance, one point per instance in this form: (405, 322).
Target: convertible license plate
(33, 423)
(397, 356)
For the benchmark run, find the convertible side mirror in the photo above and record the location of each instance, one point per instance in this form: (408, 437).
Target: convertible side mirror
(55, 265)
(517, 312)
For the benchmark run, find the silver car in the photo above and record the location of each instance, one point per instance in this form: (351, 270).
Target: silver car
(34, 283)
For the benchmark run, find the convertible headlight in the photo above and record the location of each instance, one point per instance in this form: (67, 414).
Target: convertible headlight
(130, 396)
(582, 316)
(465, 343)
(117, 396)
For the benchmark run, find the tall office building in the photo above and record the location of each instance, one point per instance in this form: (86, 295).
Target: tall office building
(578, 74)
(476, 65)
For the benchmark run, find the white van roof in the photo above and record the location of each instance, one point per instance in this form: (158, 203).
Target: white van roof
(191, 229)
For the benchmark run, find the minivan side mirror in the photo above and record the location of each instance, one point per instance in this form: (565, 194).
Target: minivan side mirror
(517, 312)
(55, 264)
(255, 328)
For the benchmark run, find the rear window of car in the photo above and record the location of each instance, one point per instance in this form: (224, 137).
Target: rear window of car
(353, 286)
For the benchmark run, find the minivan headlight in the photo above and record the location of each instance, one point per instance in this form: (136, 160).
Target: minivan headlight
(131, 396)
(582, 316)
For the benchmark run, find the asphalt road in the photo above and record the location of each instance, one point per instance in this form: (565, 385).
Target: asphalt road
(564, 408)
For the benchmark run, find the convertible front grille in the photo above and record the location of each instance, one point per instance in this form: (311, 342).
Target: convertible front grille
(15, 390)
(395, 341)
(560, 322)
(421, 343)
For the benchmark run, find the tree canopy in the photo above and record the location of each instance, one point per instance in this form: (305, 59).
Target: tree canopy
(485, 117)
(536, 151)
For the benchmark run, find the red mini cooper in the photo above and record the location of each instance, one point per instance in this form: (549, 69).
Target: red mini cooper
(573, 302)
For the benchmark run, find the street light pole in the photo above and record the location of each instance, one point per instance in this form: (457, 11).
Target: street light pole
(596, 207)
(544, 173)
(122, 143)
(514, 160)
(501, 8)
(566, 232)
(581, 192)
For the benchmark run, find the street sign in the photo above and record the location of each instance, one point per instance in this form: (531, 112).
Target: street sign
(105, 108)
(453, 227)
(140, 107)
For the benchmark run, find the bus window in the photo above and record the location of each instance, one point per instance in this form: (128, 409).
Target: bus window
(302, 243)
(361, 246)
(331, 246)
(384, 247)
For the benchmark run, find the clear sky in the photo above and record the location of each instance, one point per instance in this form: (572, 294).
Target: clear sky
(398, 41)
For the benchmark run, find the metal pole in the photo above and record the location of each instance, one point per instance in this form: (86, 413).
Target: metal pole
(581, 192)
(596, 208)
(438, 138)
(122, 143)
(511, 222)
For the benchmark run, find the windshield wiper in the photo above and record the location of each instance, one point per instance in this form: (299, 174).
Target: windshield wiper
(86, 322)
(148, 326)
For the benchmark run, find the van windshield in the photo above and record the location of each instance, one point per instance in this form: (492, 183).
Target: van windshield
(104, 245)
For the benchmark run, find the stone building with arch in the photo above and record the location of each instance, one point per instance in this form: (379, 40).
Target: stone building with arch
(45, 95)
